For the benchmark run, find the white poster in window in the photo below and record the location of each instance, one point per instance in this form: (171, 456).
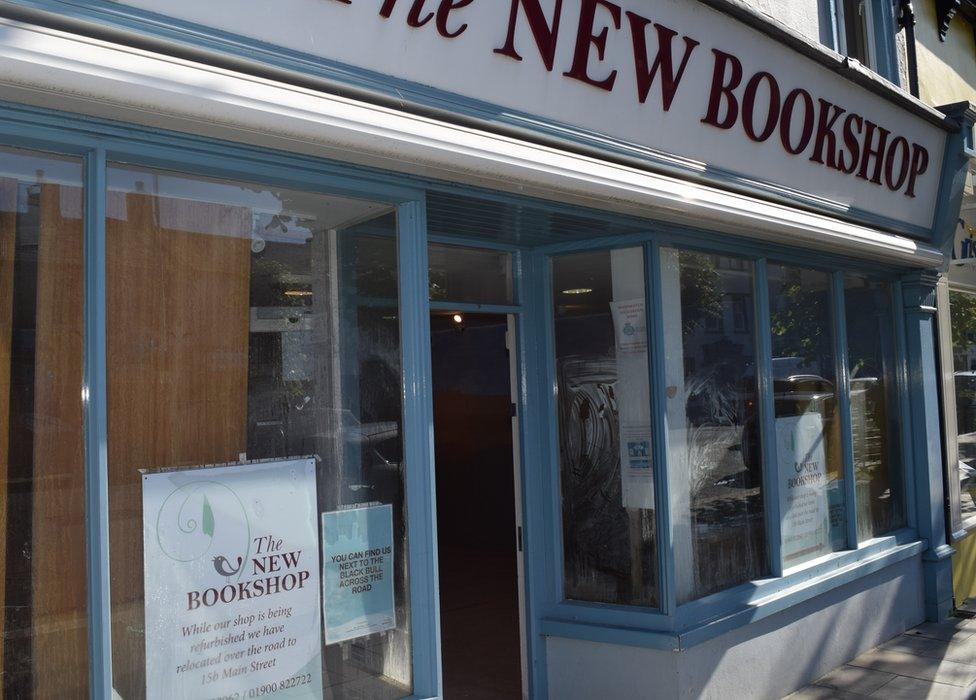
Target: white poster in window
(630, 322)
(232, 582)
(803, 499)
(637, 478)
(357, 572)
(633, 401)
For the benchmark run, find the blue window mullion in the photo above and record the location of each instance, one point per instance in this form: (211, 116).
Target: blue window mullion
(541, 518)
(546, 315)
(767, 418)
(418, 447)
(96, 431)
(843, 390)
(667, 594)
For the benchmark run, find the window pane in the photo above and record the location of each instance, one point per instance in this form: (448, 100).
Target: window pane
(856, 30)
(715, 460)
(472, 275)
(248, 320)
(605, 427)
(810, 465)
(874, 407)
(43, 617)
(962, 309)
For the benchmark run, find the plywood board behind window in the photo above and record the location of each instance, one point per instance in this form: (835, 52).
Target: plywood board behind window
(178, 308)
(58, 560)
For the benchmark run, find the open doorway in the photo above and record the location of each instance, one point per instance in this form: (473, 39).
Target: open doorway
(477, 511)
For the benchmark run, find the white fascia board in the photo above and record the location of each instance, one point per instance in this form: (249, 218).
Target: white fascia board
(51, 68)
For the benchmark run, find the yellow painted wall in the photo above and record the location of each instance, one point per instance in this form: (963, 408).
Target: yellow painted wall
(946, 70)
(964, 569)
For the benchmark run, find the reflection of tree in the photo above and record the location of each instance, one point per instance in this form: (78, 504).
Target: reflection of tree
(799, 322)
(962, 310)
(375, 257)
(718, 394)
(701, 292)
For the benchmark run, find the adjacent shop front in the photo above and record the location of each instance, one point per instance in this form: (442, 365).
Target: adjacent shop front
(375, 350)
(957, 310)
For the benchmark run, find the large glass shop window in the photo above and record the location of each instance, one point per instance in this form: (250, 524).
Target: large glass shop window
(43, 615)
(962, 310)
(604, 427)
(716, 469)
(256, 483)
(878, 476)
(809, 457)
(962, 321)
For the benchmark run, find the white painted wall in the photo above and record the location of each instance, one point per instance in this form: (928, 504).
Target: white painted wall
(767, 659)
(335, 31)
(50, 68)
(802, 16)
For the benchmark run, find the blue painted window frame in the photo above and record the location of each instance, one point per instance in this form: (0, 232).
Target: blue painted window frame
(100, 143)
(671, 626)
(884, 29)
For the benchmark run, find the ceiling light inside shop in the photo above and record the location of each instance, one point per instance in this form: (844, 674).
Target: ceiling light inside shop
(297, 293)
(578, 290)
(458, 318)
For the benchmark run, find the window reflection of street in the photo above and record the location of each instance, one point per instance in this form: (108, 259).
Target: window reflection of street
(962, 306)
(718, 502)
(608, 515)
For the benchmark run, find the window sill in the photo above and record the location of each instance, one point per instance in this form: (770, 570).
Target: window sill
(716, 615)
(961, 531)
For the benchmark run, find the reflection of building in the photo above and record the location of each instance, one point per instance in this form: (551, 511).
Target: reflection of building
(727, 331)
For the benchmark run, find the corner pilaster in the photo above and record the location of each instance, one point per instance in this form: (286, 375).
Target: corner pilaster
(925, 428)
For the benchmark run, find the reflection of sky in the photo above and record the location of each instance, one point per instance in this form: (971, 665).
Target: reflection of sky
(183, 187)
(30, 168)
(276, 215)
(21, 165)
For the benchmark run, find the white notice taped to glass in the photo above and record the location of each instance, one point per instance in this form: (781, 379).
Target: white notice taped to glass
(357, 572)
(630, 322)
(804, 508)
(633, 403)
(232, 582)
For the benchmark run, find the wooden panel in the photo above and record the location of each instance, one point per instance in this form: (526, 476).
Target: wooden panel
(60, 650)
(178, 303)
(8, 236)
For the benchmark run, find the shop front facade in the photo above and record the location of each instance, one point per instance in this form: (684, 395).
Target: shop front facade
(361, 349)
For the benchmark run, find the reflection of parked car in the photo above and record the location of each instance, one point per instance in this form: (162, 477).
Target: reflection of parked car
(794, 395)
(799, 393)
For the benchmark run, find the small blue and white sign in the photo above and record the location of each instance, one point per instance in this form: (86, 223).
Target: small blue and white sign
(357, 572)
